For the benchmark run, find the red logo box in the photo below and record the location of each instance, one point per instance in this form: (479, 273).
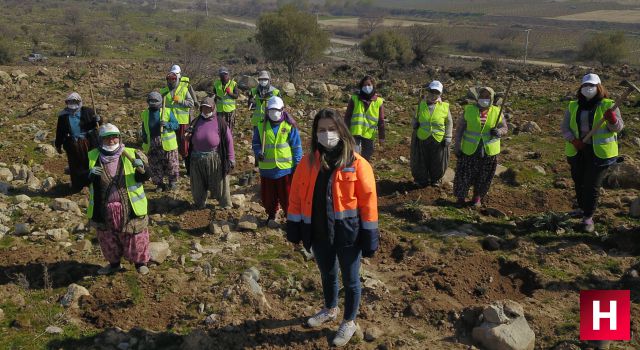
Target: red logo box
(605, 315)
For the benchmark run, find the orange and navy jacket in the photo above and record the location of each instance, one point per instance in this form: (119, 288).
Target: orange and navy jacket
(352, 205)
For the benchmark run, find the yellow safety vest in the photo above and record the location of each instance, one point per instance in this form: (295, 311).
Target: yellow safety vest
(277, 151)
(475, 131)
(365, 123)
(432, 124)
(224, 102)
(169, 140)
(181, 113)
(604, 141)
(135, 190)
(260, 105)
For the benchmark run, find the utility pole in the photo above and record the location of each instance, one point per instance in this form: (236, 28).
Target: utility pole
(526, 45)
(155, 4)
(206, 6)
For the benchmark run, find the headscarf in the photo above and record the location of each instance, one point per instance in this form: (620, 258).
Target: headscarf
(74, 96)
(491, 92)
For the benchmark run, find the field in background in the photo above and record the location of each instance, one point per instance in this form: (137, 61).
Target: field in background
(615, 16)
(353, 22)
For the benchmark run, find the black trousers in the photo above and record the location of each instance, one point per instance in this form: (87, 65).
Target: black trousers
(587, 177)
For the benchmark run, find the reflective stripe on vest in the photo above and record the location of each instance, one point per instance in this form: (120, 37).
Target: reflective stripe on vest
(432, 124)
(181, 113)
(224, 102)
(277, 151)
(475, 131)
(258, 112)
(365, 123)
(604, 141)
(168, 138)
(135, 190)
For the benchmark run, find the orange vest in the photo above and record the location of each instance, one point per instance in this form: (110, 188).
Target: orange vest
(353, 219)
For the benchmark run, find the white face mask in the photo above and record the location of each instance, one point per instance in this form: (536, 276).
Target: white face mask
(589, 91)
(275, 115)
(111, 148)
(367, 89)
(263, 82)
(328, 139)
(207, 115)
(73, 106)
(484, 102)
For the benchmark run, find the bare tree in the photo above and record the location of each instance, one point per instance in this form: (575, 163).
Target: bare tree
(368, 24)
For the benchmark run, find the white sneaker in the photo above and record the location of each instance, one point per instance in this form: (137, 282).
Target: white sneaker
(323, 316)
(345, 332)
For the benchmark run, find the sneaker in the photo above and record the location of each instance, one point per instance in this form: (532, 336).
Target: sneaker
(345, 332)
(107, 270)
(323, 316)
(143, 270)
(589, 226)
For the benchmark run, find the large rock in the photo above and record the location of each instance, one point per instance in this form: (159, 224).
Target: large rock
(318, 88)
(530, 127)
(246, 82)
(504, 328)
(74, 293)
(159, 251)
(20, 171)
(289, 89)
(22, 229)
(22, 198)
(63, 204)
(5, 187)
(48, 184)
(48, 150)
(623, 175)
(6, 175)
(33, 183)
(5, 78)
(57, 234)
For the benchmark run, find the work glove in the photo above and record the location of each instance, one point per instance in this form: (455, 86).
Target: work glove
(578, 144)
(494, 132)
(260, 156)
(610, 116)
(228, 91)
(176, 99)
(98, 118)
(96, 171)
(137, 163)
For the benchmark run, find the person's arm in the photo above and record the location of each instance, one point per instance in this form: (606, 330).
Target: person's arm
(461, 126)
(172, 124)
(381, 124)
(296, 146)
(61, 132)
(618, 124)
(256, 143)
(231, 154)
(567, 134)
(188, 101)
(448, 128)
(365, 191)
(234, 92)
(501, 127)
(348, 113)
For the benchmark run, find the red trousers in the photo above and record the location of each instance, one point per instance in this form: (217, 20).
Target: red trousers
(274, 191)
(183, 142)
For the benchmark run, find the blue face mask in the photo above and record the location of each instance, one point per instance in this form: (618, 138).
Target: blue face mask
(367, 89)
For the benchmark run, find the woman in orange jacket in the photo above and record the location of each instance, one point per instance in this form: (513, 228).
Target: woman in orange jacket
(333, 209)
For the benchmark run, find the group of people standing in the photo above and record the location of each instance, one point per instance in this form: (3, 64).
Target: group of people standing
(327, 195)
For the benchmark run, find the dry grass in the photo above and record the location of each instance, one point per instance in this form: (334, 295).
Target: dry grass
(352, 22)
(613, 16)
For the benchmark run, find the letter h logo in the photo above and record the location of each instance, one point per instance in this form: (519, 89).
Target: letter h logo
(605, 315)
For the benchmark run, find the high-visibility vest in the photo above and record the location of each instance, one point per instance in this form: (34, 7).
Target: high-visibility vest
(224, 102)
(260, 105)
(604, 141)
(432, 124)
(476, 131)
(277, 151)
(181, 113)
(365, 123)
(135, 190)
(169, 140)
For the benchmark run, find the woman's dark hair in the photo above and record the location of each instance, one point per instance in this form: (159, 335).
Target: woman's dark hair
(602, 93)
(347, 143)
(365, 78)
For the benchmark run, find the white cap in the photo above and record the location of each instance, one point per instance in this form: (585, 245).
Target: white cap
(435, 85)
(591, 79)
(275, 102)
(108, 130)
(264, 75)
(175, 69)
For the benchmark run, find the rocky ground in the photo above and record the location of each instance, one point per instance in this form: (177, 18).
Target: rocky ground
(223, 279)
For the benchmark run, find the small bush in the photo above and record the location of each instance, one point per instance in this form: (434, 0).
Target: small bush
(6, 53)
(605, 48)
(387, 46)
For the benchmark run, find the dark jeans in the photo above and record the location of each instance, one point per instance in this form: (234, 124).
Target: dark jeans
(587, 176)
(328, 259)
(365, 147)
